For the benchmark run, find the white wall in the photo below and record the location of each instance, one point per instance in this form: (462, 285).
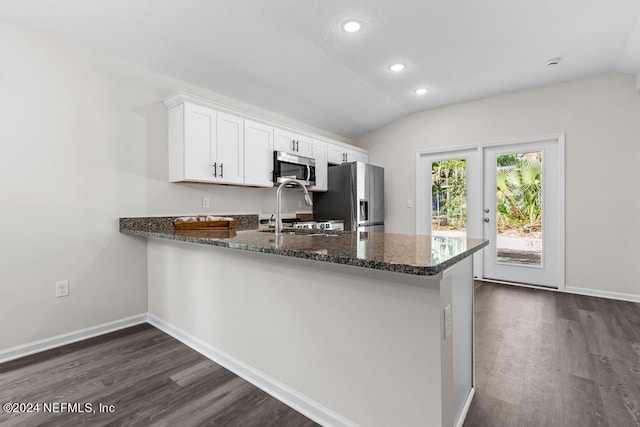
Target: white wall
(84, 141)
(601, 118)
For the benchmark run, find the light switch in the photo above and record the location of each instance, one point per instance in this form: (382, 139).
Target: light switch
(205, 202)
(409, 203)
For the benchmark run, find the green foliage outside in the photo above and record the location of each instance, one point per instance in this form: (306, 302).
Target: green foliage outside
(449, 194)
(519, 193)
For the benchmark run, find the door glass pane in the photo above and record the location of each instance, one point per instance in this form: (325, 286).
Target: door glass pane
(519, 208)
(449, 197)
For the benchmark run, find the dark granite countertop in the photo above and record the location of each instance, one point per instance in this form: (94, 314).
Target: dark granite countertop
(401, 253)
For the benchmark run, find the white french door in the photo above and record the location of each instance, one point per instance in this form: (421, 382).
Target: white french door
(521, 213)
(511, 194)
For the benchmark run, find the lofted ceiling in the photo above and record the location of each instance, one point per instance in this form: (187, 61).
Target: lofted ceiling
(292, 57)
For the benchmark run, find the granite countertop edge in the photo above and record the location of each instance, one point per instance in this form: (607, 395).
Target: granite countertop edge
(310, 255)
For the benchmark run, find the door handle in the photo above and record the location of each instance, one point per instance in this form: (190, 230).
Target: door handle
(298, 146)
(221, 170)
(293, 145)
(486, 220)
(215, 169)
(308, 173)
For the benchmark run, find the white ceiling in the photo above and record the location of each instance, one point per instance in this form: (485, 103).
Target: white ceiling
(293, 58)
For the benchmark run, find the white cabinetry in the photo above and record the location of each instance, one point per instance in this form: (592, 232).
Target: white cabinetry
(211, 143)
(204, 145)
(192, 142)
(320, 155)
(230, 149)
(339, 154)
(293, 143)
(258, 154)
(362, 157)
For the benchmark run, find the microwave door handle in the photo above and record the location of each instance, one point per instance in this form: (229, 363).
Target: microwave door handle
(308, 173)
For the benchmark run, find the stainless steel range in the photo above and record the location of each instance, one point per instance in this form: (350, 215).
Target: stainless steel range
(298, 223)
(321, 225)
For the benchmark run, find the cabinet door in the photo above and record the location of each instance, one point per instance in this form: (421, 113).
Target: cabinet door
(304, 146)
(199, 142)
(339, 154)
(320, 155)
(230, 149)
(293, 143)
(283, 141)
(335, 154)
(350, 156)
(258, 154)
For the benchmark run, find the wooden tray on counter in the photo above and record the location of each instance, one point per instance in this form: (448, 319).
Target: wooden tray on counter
(205, 225)
(210, 233)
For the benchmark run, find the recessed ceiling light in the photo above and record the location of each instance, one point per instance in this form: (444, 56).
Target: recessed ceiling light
(352, 26)
(422, 91)
(553, 61)
(396, 67)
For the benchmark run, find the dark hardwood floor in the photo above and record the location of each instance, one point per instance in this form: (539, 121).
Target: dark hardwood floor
(553, 359)
(148, 377)
(543, 359)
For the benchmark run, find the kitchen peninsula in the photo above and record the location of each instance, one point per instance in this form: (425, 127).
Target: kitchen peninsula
(349, 328)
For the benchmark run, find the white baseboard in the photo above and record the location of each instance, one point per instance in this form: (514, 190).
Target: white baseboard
(603, 294)
(465, 408)
(71, 337)
(309, 408)
(573, 290)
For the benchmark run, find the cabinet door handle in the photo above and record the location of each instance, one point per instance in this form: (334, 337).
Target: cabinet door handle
(293, 145)
(298, 146)
(221, 170)
(215, 169)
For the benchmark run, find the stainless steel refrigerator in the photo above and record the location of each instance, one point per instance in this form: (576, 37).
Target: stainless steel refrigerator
(355, 194)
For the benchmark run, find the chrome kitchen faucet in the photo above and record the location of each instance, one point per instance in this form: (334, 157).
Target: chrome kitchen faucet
(307, 200)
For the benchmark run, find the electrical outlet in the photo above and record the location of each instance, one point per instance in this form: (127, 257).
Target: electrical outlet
(409, 203)
(447, 321)
(205, 202)
(62, 288)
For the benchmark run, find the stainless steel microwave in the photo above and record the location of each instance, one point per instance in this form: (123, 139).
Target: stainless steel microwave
(287, 165)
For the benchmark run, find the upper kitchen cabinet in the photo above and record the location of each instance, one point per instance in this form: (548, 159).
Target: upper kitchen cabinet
(258, 154)
(212, 143)
(204, 145)
(192, 142)
(320, 156)
(339, 154)
(293, 143)
(230, 149)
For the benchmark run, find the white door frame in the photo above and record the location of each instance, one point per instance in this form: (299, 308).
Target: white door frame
(475, 201)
